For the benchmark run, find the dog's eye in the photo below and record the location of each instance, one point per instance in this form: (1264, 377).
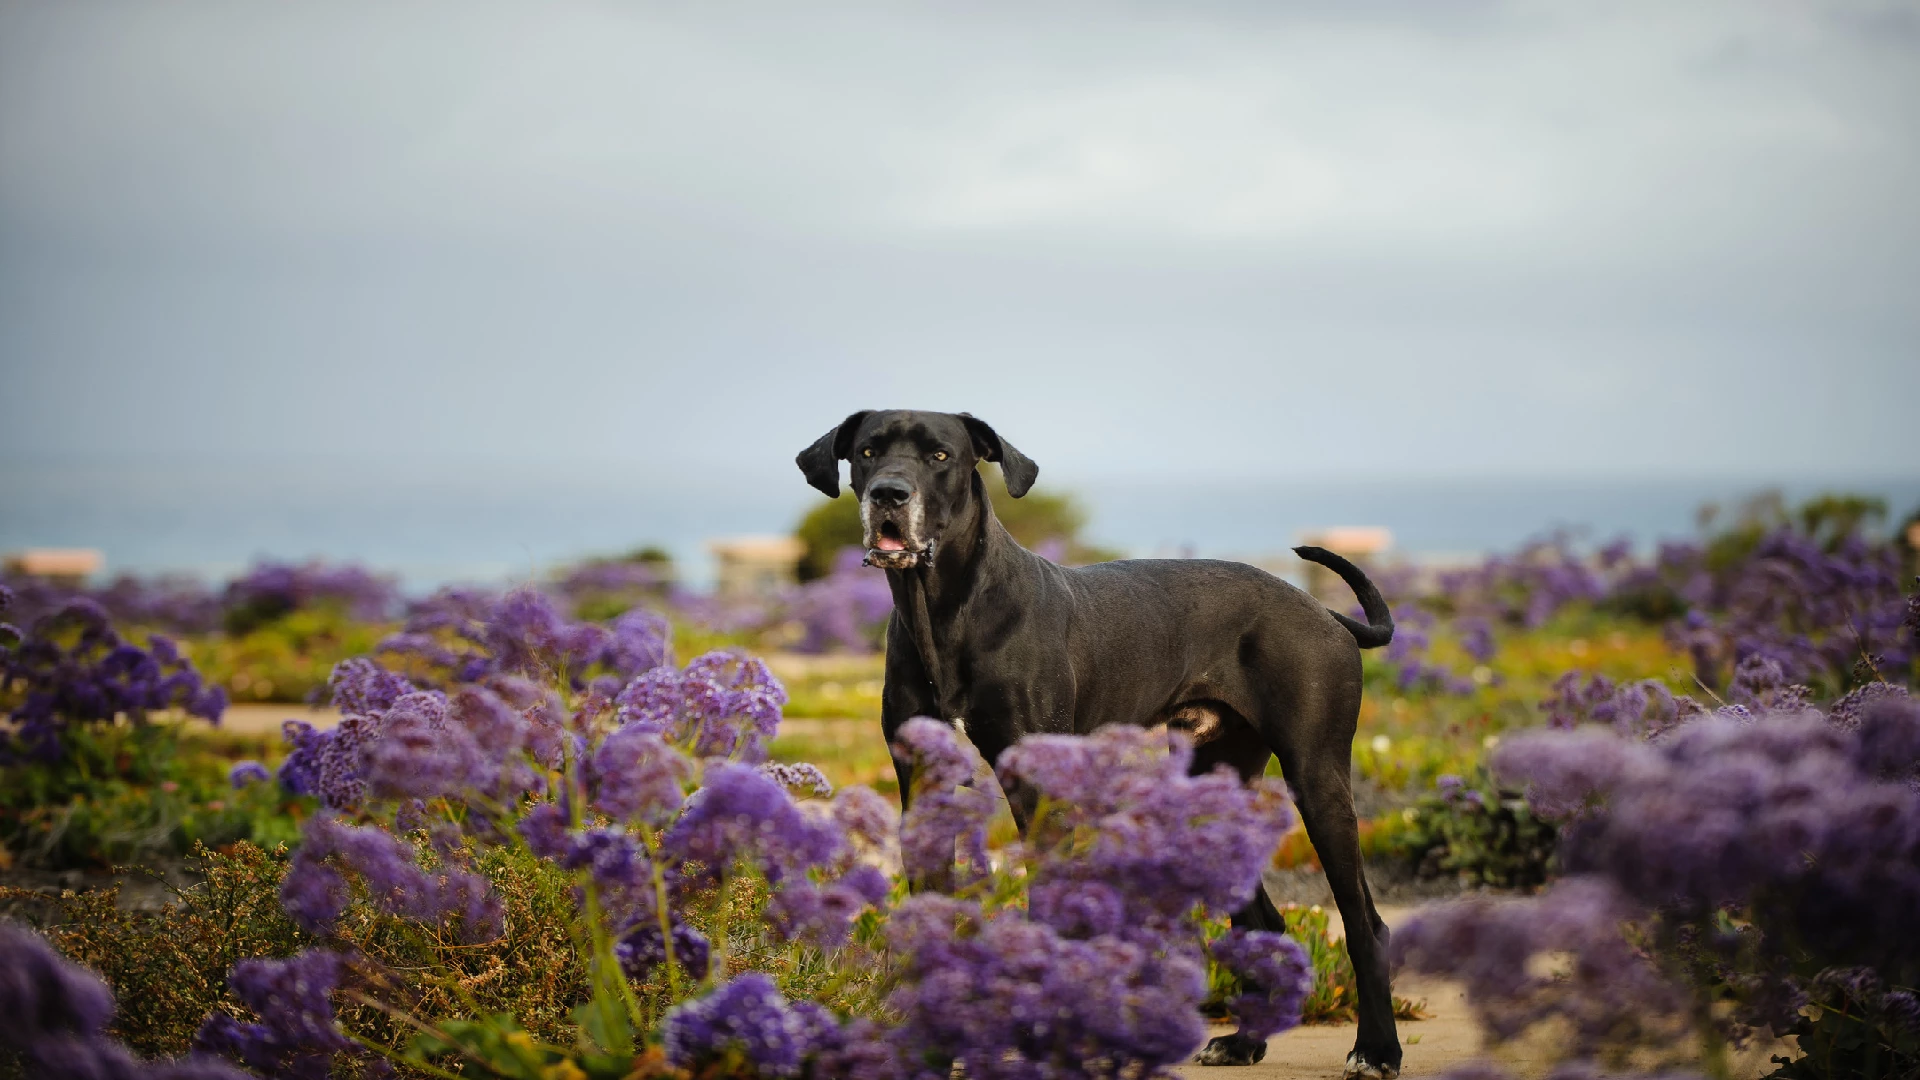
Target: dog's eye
(939, 455)
(868, 452)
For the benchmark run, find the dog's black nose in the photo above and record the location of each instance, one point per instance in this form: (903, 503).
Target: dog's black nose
(890, 491)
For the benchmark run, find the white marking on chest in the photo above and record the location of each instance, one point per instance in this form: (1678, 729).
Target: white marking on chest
(960, 725)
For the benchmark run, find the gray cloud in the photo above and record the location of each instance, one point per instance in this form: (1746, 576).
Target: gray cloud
(1245, 238)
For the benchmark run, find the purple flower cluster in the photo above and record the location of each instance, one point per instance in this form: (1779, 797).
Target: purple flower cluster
(394, 742)
(723, 704)
(315, 893)
(471, 636)
(270, 590)
(1009, 997)
(1119, 809)
(641, 949)
(749, 1018)
(55, 1017)
(624, 580)
(296, 1035)
(741, 815)
(1723, 810)
(1643, 707)
(1747, 851)
(844, 610)
(1822, 612)
(1408, 653)
(175, 604)
(945, 806)
(1101, 975)
(1609, 991)
(246, 773)
(1530, 585)
(1275, 978)
(72, 667)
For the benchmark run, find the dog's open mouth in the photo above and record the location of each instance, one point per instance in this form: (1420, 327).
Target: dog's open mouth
(893, 550)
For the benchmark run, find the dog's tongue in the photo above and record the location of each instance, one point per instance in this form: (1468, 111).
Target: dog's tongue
(888, 543)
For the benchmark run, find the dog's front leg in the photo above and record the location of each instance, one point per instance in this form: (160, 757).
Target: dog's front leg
(908, 693)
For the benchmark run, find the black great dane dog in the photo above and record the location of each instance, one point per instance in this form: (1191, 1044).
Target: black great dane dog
(1002, 643)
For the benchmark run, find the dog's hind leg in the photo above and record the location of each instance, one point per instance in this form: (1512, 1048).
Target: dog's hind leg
(1316, 753)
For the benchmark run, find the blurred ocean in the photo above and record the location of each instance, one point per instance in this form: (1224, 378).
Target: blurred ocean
(494, 523)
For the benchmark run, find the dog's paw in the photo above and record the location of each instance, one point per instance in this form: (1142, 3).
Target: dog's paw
(1359, 1068)
(1234, 1049)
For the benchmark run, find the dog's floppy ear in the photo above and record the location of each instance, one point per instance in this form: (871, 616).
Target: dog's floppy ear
(820, 463)
(1017, 467)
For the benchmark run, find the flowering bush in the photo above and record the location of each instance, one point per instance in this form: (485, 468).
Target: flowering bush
(1103, 973)
(1479, 835)
(845, 609)
(563, 752)
(72, 668)
(56, 1018)
(1770, 861)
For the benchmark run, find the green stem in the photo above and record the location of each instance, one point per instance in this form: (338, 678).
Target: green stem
(402, 1059)
(717, 969)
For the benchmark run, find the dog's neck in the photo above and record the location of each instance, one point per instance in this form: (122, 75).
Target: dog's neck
(933, 602)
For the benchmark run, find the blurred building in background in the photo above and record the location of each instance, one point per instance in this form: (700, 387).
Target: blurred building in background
(70, 566)
(1362, 545)
(755, 567)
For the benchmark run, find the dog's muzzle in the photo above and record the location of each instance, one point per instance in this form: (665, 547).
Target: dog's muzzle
(899, 559)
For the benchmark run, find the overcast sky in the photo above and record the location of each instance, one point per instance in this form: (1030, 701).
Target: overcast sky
(1256, 238)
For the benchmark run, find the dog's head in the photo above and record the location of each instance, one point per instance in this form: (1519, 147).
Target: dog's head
(913, 473)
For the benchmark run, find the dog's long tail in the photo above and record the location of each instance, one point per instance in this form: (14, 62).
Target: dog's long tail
(1378, 629)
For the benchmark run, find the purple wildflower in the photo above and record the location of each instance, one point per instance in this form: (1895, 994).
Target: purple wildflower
(799, 776)
(722, 705)
(741, 814)
(314, 893)
(1010, 998)
(823, 914)
(641, 641)
(844, 610)
(247, 772)
(1275, 976)
(361, 687)
(1760, 683)
(945, 805)
(416, 753)
(635, 775)
(1567, 771)
(1476, 637)
(544, 828)
(1078, 909)
(1612, 993)
(1847, 711)
(1888, 744)
(296, 1035)
(639, 949)
(72, 667)
(270, 590)
(1122, 810)
(869, 820)
(746, 1015)
(1643, 707)
(300, 770)
(42, 994)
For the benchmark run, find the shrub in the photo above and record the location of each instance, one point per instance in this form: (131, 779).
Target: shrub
(1480, 836)
(1334, 998)
(1735, 873)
